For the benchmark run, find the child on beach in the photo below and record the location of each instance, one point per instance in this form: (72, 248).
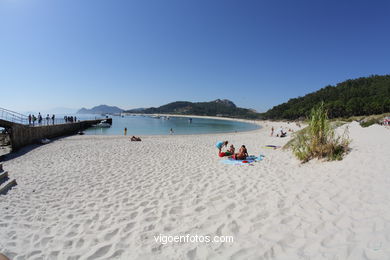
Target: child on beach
(228, 152)
(231, 149)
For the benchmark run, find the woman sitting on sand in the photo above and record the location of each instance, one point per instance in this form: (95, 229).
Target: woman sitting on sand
(133, 138)
(242, 153)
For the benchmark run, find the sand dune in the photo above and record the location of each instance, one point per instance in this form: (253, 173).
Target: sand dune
(104, 197)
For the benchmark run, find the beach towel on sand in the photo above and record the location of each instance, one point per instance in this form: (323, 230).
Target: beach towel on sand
(248, 161)
(272, 146)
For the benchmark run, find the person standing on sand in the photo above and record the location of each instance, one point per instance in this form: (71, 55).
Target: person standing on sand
(125, 131)
(272, 131)
(220, 145)
(171, 131)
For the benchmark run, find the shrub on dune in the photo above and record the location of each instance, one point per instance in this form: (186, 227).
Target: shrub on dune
(318, 139)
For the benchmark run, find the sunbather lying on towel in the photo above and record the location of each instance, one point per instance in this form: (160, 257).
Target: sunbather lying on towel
(133, 138)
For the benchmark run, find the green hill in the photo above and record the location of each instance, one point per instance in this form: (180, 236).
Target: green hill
(355, 97)
(219, 107)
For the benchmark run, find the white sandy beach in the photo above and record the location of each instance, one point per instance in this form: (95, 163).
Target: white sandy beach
(104, 197)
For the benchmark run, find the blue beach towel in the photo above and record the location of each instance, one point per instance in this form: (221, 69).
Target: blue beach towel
(248, 161)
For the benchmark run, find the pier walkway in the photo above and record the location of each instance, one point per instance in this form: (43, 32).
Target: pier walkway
(23, 133)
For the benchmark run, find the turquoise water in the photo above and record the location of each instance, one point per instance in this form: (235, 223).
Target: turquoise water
(146, 125)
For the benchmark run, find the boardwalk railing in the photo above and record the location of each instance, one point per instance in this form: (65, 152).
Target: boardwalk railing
(13, 117)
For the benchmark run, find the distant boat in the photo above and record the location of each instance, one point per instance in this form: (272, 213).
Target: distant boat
(102, 124)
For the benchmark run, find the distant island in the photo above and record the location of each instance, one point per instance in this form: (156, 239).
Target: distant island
(219, 107)
(355, 97)
(102, 109)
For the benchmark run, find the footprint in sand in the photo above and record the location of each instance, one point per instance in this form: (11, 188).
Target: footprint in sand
(80, 243)
(191, 254)
(100, 252)
(111, 234)
(133, 215)
(200, 208)
(150, 219)
(233, 226)
(231, 206)
(146, 210)
(175, 210)
(129, 227)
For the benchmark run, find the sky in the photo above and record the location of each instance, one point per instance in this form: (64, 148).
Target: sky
(73, 54)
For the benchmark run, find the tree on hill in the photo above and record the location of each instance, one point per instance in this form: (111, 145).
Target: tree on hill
(356, 97)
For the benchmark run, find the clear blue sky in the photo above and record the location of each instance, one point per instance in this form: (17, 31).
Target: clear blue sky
(71, 53)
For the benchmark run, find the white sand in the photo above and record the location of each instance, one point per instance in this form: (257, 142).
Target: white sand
(104, 197)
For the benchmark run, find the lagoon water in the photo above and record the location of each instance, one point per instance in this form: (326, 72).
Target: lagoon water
(146, 125)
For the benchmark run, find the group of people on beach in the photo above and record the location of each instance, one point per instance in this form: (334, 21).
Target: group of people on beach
(279, 132)
(32, 119)
(241, 155)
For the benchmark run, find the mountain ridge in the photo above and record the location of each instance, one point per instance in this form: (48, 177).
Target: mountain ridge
(101, 109)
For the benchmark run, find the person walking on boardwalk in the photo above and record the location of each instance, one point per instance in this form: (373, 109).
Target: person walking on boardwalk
(53, 117)
(29, 119)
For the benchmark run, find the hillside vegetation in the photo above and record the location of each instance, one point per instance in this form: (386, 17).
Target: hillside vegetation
(357, 97)
(219, 107)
